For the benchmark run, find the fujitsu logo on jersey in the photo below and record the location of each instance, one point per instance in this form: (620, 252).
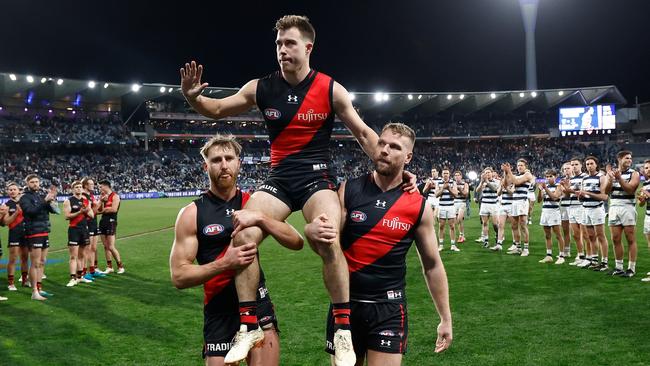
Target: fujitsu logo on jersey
(311, 116)
(358, 216)
(272, 113)
(213, 229)
(395, 224)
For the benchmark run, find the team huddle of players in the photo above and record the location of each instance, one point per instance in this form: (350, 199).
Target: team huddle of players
(573, 206)
(26, 214)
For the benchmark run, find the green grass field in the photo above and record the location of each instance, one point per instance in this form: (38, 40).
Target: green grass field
(506, 310)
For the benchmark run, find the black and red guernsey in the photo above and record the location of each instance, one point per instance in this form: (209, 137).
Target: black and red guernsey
(109, 203)
(213, 230)
(17, 224)
(379, 230)
(76, 204)
(299, 120)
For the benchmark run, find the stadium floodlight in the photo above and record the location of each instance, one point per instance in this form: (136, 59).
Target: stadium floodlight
(472, 175)
(91, 84)
(462, 96)
(170, 90)
(410, 96)
(493, 96)
(521, 95)
(26, 109)
(43, 80)
(59, 82)
(420, 96)
(105, 85)
(12, 77)
(448, 96)
(352, 96)
(379, 96)
(162, 89)
(0, 108)
(533, 94)
(30, 79)
(385, 97)
(560, 93)
(136, 88)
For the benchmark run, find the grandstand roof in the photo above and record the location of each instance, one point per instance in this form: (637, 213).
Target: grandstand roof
(63, 94)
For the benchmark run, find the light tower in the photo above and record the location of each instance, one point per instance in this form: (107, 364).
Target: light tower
(529, 14)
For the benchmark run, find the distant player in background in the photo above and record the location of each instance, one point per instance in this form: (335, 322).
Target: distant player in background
(90, 256)
(488, 188)
(460, 204)
(77, 211)
(17, 242)
(549, 196)
(644, 197)
(532, 198)
(109, 205)
(447, 192)
(520, 204)
(428, 189)
(565, 203)
(576, 212)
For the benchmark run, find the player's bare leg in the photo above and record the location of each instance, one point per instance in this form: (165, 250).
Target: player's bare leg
(35, 273)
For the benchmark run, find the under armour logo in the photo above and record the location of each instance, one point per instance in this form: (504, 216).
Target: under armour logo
(380, 204)
(229, 212)
(385, 343)
(292, 98)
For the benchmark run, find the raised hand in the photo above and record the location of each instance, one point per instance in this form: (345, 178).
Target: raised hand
(191, 81)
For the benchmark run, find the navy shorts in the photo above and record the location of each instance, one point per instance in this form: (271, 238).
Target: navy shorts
(381, 327)
(219, 329)
(295, 189)
(39, 242)
(107, 227)
(92, 227)
(78, 236)
(17, 238)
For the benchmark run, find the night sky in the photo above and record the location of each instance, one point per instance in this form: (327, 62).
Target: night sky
(450, 45)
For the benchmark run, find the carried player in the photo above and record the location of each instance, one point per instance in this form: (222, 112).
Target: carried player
(548, 195)
(109, 205)
(77, 210)
(460, 204)
(298, 105)
(17, 242)
(36, 209)
(520, 204)
(203, 233)
(380, 222)
(446, 193)
(621, 187)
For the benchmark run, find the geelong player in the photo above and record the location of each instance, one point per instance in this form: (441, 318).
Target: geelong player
(522, 182)
(298, 105)
(644, 197)
(592, 195)
(488, 187)
(428, 189)
(548, 195)
(460, 204)
(109, 205)
(576, 212)
(203, 233)
(565, 203)
(380, 222)
(36, 209)
(77, 210)
(17, 242)
(447, 192)
(621, 186)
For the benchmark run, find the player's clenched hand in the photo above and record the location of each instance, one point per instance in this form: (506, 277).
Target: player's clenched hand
(410, 182)
(444, 337)
(245, 218)
(321, 231)
(191, 81)
(238, 257)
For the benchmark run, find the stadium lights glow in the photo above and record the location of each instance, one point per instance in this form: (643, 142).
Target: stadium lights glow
(420, 96)
(91, 84)
(533, 94)
(30, 79)
(521, 95)
(43, 80)
(12, 77)
(448, 96)
(105, 85)
(135, 88)
(162, 89)
(26, 109)
(462, 96)
(0, 108)
(386, 97)
(49, 111)
(352, 96)
(472, 175)
(560, 93)
(378, 96)
(493, 96)
(170, 90)
(410, 96)
(59, 82)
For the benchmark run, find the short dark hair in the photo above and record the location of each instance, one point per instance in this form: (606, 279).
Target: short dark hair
(575, 158)
(105, 182)
(522, 160)
(550, 172)
(301, 22)
(621, 154)
(30, 177)
(591, 157)
(84, 181)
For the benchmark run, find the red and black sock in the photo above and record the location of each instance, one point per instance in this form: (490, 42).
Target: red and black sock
(119, 265)
(78, 274)
(95, 263)
(10, 279)
(341, 313)
(39, 286)
(92, 269)
(83, 271)
(73, 276)
(109, 264)
(23, 275)
(248, 314)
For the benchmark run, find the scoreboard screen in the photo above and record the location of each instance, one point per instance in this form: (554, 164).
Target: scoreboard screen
(598, 119)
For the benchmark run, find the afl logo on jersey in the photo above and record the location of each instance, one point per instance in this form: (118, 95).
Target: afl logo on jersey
(272, 113)
(213, 229)
(358, 216)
